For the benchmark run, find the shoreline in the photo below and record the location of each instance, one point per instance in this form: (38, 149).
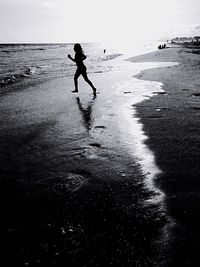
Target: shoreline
(171, 121)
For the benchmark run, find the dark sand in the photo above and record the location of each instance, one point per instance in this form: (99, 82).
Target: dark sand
(172, 123)
(73, 177)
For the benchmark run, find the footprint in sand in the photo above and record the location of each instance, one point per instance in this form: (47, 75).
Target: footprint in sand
(100, 127)
(127, 92)
(196, 94)
(95, 145)
(196, 108)
(160, 93)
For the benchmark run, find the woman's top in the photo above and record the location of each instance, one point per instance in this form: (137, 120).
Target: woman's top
(79, 57)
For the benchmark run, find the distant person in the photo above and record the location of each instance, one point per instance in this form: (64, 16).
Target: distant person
(81, 68)
(104, 51)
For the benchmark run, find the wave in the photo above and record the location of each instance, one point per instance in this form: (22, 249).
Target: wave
(14, 50)
(17, 77)
(36, 49)
(11, 48)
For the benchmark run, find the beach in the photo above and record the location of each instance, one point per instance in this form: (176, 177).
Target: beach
(171, 121)
(105, 180)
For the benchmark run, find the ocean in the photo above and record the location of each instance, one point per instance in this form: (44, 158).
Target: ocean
(25, 64)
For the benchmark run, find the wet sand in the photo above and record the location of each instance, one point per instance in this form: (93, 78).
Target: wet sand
(78, 178)
(171, 121)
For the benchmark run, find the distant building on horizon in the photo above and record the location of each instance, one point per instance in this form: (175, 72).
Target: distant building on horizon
(186, 40)
(182, 40)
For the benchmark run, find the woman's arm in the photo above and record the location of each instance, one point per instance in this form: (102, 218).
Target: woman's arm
(69, 56)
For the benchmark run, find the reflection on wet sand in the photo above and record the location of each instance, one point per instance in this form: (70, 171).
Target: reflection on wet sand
(86, 113)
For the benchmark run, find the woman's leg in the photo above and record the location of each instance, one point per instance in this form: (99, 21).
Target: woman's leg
(84, 74)
(77, 74)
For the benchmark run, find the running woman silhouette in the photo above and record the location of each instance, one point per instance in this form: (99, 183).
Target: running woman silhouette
(81, 68)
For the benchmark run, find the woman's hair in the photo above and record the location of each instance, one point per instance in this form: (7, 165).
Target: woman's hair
(78, 48)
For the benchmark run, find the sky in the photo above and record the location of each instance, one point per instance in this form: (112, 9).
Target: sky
(96, 20)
